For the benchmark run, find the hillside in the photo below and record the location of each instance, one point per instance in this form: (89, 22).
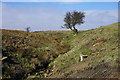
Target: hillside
(27, 53)
(101, 46)
(56, 54)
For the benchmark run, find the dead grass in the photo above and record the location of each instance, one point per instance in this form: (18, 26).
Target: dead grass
(31, 50)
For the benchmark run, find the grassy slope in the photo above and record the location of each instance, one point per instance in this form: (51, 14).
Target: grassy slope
(101, 46)
(31, 51)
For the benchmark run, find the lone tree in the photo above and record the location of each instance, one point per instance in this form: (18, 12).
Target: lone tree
(72, 19)
(28, 29)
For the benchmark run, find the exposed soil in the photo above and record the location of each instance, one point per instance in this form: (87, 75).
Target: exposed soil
(100, 71)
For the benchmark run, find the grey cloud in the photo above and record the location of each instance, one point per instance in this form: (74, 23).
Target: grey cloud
(97, 18)
(38, 18)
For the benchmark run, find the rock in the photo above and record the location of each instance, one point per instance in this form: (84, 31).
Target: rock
(83, 56)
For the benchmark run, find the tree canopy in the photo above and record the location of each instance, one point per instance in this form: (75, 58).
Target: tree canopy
(72, 19)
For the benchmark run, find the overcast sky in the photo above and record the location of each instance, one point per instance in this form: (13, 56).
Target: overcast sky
(43, 16)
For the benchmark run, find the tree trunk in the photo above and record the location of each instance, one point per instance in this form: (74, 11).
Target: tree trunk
(75, 30)
(72, 29)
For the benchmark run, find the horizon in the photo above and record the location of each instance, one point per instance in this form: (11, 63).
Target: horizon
(55, 30)
(19, 15)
